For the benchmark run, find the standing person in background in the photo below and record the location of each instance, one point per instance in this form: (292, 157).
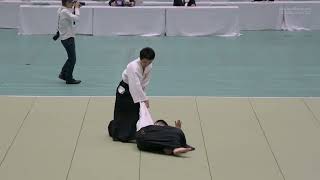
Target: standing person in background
(127, 3)
(68, 18)
(130, 92)
(184, 3)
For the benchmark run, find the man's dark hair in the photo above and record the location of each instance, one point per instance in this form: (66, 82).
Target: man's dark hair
(147, 53)
(160, 121)
(64, 2)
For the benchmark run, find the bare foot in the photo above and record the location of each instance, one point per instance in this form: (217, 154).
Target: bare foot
(181, 150)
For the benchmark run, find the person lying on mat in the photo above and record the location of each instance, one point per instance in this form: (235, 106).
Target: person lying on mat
(159, 136)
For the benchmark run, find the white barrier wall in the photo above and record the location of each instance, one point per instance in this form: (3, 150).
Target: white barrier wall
(280, 15)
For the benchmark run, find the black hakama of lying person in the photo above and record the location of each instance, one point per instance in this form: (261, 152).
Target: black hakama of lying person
(159, 136)
(162, 139)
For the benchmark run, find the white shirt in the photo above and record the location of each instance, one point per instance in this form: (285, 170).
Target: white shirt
(66, 18)
(145, 117)
(137, 79)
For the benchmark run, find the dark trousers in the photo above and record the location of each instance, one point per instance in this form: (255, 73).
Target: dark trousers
(68, 66)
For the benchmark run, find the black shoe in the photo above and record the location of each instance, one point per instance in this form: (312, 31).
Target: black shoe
(61, 76)
(73, 81)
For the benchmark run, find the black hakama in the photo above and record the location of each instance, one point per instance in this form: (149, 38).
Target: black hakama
(157, 138)
(126, 114)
